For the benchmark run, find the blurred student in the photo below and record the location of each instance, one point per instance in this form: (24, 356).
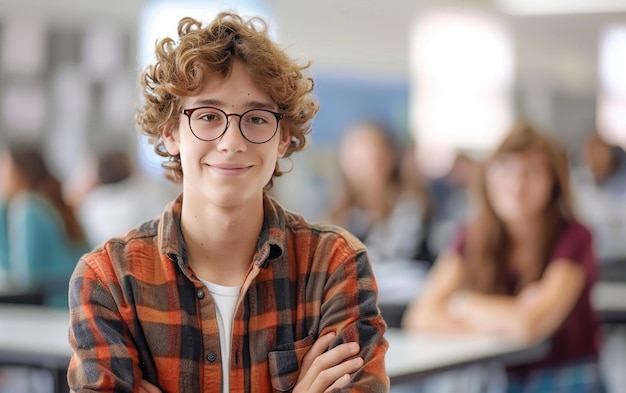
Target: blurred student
(226, 291)
(376, 201)
(41, 239)
(600, 191)
(522, 268)
(120, 200)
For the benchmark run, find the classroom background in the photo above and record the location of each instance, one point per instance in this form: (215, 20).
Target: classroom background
(444, 79)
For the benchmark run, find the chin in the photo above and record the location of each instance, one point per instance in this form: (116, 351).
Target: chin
(226, 200)
(230, 199)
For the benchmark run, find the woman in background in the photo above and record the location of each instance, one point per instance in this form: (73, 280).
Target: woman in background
(522, 268)
(40, 237)
(378, 200)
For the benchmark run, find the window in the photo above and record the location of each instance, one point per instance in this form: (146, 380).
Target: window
(611, 106)
(462, 71)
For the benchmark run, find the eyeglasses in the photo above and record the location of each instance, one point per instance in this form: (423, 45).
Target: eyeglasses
(256, 125)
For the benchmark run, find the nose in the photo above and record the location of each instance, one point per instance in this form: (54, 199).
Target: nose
(232, 140)
(519, 182)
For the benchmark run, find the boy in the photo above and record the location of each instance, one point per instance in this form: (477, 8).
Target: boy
(226, 291)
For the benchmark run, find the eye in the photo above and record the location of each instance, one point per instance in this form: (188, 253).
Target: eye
(209, 117)
(256, 120)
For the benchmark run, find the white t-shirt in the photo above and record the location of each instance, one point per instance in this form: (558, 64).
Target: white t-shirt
(225, 299)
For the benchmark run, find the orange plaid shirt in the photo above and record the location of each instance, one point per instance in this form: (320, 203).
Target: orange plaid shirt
(139, 312)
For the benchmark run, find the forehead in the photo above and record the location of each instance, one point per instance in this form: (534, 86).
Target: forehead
(236, 89)
(529, 157)
(365, 135)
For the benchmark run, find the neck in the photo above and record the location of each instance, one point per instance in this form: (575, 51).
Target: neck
(524, 230)
(221, 241)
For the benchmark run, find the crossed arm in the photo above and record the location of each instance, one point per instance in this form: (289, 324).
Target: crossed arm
(322, 369)
(348, 354)
(535, 313)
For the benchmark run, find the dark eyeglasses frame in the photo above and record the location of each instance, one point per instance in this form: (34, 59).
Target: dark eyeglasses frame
(190, 111)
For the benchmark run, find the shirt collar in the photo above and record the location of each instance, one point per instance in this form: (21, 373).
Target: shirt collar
(272, 237)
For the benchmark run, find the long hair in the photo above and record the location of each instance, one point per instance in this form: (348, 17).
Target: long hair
(487, 247)
(30, 165)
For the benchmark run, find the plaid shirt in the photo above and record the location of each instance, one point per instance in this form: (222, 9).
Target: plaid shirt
(139, 312)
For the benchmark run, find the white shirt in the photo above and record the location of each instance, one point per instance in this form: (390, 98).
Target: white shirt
(225, 299)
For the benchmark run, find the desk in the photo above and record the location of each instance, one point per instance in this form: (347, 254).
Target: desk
(36, 336)
(607, 297)
(416, 355)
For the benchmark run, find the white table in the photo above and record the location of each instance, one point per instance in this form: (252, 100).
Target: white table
(36, 336)
(415, 355)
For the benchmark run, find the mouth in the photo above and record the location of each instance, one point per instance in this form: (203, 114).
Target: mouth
(230, 169)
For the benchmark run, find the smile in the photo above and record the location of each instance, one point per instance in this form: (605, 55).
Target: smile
(230, 170)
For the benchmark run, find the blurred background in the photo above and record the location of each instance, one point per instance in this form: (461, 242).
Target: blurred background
(451, 75)
(443, 81)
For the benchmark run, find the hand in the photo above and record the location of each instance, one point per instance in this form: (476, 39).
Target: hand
(147, 387)
(323, 369)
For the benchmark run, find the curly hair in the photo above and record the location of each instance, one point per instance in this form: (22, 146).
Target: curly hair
(184, 67)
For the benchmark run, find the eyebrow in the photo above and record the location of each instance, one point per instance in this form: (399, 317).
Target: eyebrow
(247, 104)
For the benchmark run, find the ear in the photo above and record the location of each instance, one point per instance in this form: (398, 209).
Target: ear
(283, 144)
(171, 139)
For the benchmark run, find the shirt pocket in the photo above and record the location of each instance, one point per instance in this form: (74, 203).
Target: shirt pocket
(284, 363)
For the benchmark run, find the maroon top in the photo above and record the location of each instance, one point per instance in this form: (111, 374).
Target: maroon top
(579, 336)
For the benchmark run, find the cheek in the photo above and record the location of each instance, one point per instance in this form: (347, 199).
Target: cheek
(191, 153)
(496, 197)
(541, 191)
(505, 198)
(349, 161)
(270, 156)
(497, 187)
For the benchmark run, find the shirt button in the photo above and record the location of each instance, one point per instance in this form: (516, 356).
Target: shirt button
(200, 293)
(211, 357)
